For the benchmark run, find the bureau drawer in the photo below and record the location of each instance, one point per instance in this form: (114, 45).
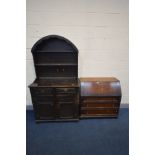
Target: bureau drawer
(100, 99)
(41, 91)
(65, 90)
(99, 112)
(99, 104)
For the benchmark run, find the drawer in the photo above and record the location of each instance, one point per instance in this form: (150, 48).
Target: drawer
(100, 100)
(41, 91)
(66, 97)
(66, 90)
(66, 102)
(46, 99)
(113, 111)
(99, 104)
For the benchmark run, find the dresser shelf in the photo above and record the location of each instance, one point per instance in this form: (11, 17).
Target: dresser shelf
(54, 51)
(56, 64)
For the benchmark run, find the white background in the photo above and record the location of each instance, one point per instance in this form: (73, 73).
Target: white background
(13, 78)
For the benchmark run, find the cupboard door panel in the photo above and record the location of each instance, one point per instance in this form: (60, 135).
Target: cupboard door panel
(44, 111)
(67, 111)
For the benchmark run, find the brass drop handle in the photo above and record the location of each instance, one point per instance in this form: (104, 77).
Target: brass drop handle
(63, 70)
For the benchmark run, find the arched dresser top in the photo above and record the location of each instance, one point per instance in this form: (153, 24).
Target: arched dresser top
(54, 43)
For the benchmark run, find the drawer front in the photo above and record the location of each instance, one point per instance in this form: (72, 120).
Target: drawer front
(44, 99)
(66, 90)
(99, 104)
(99, 112)
(41, 91)
(66, 98)
(100, 99)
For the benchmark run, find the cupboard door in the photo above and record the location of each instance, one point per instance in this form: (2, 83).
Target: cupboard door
(44, 111)
(67, 110)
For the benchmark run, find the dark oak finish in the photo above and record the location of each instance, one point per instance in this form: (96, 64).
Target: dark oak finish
(55, 91)
(100, 97)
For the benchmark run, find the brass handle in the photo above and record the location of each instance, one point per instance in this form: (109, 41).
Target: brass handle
(57, 70)
(63, 70)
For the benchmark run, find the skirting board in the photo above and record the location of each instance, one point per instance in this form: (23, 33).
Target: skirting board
(124, 105)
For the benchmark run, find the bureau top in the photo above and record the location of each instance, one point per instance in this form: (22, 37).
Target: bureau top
(100, 87)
